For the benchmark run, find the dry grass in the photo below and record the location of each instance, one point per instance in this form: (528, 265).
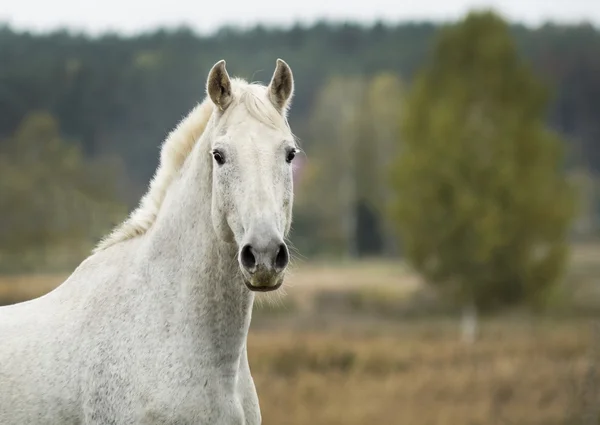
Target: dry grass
(19, 288)
(421, 374)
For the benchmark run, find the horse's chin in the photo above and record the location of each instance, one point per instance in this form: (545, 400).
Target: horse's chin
(263, 288)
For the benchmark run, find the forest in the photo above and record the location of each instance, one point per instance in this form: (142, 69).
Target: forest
(113, 99)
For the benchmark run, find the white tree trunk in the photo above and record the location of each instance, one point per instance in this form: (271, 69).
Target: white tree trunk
(469, 324)
(590, 390)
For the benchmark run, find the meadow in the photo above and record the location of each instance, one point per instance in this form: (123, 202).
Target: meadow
(368, 343)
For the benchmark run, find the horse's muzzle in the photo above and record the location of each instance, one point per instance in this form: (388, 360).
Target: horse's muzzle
(263, 260)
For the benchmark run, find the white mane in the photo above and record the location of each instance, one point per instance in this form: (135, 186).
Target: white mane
(176, 148)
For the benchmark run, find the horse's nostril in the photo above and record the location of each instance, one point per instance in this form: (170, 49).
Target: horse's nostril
(282, 258)
(247, 258)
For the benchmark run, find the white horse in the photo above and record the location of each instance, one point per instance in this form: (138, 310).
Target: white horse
(152, 327)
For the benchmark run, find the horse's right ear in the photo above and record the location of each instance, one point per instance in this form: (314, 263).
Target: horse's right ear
(218, 85)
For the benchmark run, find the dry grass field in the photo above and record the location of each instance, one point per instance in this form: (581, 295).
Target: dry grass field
(420, 374)
(345, 346)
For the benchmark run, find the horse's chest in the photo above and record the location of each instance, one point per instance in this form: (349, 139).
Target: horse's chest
(169, 380)
(192, 410)
(194, 398)
(214, 403)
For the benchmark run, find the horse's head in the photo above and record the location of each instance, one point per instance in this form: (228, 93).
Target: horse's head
(253, 149)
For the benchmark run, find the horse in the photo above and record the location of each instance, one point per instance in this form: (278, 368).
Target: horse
(152, 327)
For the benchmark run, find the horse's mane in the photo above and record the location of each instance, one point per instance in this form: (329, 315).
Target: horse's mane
(177, 147)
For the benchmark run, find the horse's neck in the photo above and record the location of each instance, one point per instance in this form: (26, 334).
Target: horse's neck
(193, 269)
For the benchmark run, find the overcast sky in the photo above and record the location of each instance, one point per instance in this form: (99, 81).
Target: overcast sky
(132, 16)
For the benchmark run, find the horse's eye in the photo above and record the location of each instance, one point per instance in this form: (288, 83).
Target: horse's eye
(219, 157)
(290, 156)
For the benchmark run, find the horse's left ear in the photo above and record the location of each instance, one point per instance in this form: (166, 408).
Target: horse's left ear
(218, 85)
(281, 87)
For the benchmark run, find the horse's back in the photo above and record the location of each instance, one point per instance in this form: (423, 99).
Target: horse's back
(45, 346)
(37, 376)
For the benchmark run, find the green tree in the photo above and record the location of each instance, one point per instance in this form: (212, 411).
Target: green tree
(54, 202)
(482, 201)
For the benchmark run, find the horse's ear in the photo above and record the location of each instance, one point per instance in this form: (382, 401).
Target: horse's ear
(281, 87)
(218, 85)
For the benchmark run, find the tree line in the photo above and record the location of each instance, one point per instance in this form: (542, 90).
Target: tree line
(421, 140)
(122, 95)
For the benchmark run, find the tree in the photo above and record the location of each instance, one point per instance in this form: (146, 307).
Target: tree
(332, 192)
(379, 137)
(354, 131)
(53, 200)
(482, 201)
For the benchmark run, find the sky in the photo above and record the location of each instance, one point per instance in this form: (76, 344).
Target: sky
(134, 16)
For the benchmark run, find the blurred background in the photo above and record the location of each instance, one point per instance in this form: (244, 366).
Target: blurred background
(447, 210)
